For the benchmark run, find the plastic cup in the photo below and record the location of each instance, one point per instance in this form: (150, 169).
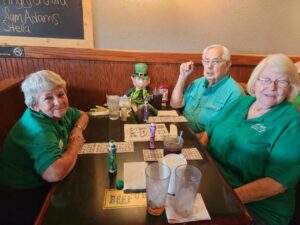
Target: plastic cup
(172, 144)
(124, 114)
(113, 106)
(187, 181)
(157, 182)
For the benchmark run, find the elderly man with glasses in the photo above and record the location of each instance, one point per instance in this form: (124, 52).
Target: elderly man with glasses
(206, 96)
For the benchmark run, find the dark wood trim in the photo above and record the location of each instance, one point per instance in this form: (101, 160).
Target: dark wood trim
(133, 56)
(8, 84)
(40, 217)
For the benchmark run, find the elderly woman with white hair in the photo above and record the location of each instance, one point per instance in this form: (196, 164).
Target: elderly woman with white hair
(255, 142)
(41, 148)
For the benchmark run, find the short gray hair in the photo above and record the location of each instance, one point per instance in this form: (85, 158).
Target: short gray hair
(280, 63)
(42, 80)
(226, 52)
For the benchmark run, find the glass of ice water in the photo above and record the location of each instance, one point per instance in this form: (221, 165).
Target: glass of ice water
(187, 181)
(113, 106)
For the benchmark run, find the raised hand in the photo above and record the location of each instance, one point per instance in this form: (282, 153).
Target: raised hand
(186, 69)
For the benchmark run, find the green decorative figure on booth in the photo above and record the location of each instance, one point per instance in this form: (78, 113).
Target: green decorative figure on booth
(140, 79)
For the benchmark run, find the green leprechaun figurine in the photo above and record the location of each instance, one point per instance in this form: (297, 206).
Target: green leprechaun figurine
(140, 79)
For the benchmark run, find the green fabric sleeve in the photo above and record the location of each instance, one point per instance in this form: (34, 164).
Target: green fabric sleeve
(284, 165)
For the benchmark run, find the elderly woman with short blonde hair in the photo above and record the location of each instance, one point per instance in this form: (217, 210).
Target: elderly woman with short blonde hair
(255, 142)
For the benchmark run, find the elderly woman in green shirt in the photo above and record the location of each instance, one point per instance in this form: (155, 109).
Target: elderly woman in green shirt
(41, 148)
(255, 142)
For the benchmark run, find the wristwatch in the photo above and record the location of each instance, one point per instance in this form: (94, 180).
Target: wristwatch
(78, 126)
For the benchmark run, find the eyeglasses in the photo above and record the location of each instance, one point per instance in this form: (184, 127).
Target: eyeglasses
(278, 83)
(213, 62)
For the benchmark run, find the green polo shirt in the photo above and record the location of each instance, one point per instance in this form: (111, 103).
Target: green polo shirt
(32, 145)
(268, 146)
(202, 104)
(296, 100)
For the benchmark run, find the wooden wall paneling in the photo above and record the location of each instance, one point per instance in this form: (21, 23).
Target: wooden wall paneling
(10, 71)
(77, 83)
(4, 74)
(64, 70)
(1, 70)
(82, 87)
(44, 64)
(18, 68)
(123, 83)
(96, 91)
(99, 89)
(92, 73)
(32, 62)
(9, 66)
(35, 65)
(241, 73)
(57, 65)
(245, 72)
(40, 64)
(31, 66)
(27, 67)
(235, 72)
(163, 74)
(92, 87)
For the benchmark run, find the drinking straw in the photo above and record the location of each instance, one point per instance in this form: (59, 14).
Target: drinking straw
(180, 136)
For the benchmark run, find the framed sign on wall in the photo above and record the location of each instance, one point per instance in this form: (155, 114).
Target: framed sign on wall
(51, 23)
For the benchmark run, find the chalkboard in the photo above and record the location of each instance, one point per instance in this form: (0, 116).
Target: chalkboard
(47, 20)
(42, 18)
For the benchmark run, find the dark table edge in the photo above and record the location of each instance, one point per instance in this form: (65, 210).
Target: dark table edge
(40, 218)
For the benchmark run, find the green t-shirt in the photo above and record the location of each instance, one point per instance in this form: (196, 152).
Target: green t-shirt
(267, 146)
(32, 145)
(296, 100)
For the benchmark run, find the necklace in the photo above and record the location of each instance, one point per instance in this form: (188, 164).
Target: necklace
(255, 107)
(256, 111)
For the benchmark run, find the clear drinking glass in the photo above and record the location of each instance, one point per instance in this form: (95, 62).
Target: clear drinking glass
(157, 182)
(187, 181)
(113, 106)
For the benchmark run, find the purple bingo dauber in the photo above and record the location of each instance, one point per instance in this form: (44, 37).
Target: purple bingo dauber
(152, 135)
(146, 111)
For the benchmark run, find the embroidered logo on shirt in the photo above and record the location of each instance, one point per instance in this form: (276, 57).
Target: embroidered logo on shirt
(61, 144)
(259, 127)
